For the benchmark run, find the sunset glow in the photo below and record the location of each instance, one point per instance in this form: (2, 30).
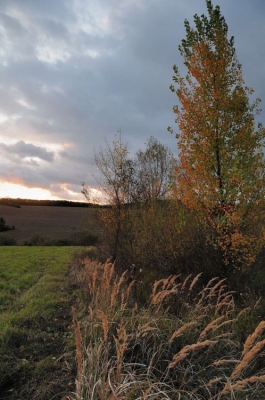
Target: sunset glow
(14, 190)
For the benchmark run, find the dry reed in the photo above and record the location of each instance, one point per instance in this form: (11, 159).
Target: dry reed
(248, 358)
(177, 347)
(252, 338)
(240, 385)
(104, 324)
(181, 330)
(190, 348)
(78, 344)
(194, 281)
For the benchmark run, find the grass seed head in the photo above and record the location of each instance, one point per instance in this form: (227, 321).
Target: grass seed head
(181, 330)
(183, 353)
(253, 337)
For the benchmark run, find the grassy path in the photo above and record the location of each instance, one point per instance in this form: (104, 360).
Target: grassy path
(36, 344)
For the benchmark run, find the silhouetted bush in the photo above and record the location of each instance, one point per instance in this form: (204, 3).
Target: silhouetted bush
(78, 239)
(36, 240)
(7, 241)
(59, 242)
(27, 243)
(4, 227)
(84, 238)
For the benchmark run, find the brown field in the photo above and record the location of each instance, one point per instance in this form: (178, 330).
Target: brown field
(46, 221)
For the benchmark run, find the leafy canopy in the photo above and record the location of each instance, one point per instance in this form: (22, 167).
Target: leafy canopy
(220, 171)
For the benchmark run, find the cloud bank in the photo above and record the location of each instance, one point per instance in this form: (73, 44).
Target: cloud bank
(74, 73)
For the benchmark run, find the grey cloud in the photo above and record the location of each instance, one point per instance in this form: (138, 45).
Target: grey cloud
(47, 177)
(59, 8)
(23, 150)
(55, 29)
(116, 77)
(12, 25)
(77, 158)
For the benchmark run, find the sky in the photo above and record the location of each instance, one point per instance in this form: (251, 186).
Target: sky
(75, 72)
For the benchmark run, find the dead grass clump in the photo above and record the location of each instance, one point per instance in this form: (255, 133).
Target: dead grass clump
(182, 345)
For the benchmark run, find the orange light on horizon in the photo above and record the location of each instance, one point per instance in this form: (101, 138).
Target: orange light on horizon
(19, 191)
(14, 190)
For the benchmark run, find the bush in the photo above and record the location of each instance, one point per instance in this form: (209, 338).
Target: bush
(59, 242)
(7, 241)
(84, 238)
(162, 237)
(4, 227)
(36, 240)
(78, 239)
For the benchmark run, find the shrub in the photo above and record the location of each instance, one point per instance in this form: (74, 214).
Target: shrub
(59, 242)
(36, 240)
(78, 239)
(4, 227)
(84, 238)
(7, 241)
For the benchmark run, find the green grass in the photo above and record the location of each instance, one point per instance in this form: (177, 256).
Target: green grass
(34, 316)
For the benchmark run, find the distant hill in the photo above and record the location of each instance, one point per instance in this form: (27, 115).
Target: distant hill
(54, 203)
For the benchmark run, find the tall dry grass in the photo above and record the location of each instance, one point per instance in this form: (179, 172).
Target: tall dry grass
(181, 345)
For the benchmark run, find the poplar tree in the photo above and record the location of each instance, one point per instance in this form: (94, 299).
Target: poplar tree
(220, 170)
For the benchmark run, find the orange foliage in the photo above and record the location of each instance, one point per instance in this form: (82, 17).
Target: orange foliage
(220, 171)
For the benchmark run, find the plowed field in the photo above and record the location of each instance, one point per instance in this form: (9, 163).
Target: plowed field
(46, 221)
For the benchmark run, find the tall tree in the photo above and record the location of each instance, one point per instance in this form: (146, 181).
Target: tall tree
(220, 171)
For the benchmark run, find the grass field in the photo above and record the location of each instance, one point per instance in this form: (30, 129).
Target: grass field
(35, 323)
(46, 221)
(183, 343)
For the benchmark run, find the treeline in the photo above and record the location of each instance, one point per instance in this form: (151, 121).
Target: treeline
(53, 203)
